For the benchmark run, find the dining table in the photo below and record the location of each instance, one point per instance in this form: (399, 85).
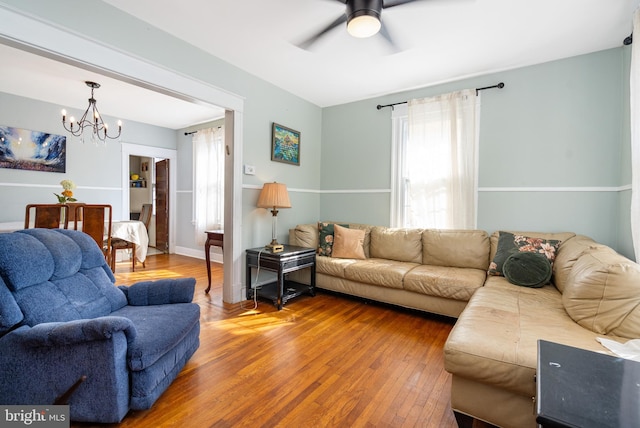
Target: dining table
(133, 231)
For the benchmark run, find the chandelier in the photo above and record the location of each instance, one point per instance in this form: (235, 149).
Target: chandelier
(90, 119)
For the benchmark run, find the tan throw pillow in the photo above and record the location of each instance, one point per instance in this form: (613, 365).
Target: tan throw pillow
(348, 243)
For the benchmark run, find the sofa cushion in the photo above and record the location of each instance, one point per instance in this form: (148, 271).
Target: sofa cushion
(509, 243)
(456, 248)
(443, 281)
(568, 252)
(53, 286)
(17, 247)
(404, 245)
(494, 341)
(159, 328)
(602, 293)
(527, 269)
(10, 313)
(332, 265)
(348, 243)
(382, 272)
(304, 235)
(67, 255)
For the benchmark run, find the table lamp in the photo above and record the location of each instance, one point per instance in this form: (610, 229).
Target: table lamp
(273, 196)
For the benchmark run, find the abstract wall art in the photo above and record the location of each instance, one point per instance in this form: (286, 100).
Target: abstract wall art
(32, 150)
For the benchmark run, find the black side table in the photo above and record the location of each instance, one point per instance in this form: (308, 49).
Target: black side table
(291, 259)
(580, 388)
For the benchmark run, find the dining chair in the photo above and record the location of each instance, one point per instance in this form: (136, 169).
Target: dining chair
(122, 244)
(96, 222)
(48, 216)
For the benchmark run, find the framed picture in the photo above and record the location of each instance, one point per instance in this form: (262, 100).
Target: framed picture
(32, 150)
(285, 145)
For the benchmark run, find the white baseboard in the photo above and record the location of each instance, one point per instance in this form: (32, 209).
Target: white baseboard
(216, 254)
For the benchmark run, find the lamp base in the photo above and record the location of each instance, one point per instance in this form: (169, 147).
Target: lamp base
(275, 248)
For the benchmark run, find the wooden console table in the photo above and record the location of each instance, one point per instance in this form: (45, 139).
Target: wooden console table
(215, 238)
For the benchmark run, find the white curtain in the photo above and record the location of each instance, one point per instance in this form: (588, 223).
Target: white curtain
(208, 181)
(442, 161)
(634, 90)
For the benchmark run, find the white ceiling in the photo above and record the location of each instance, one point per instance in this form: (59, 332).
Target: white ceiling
(441, 40)
(44, 79)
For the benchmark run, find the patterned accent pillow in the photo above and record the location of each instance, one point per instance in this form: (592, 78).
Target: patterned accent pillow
(508, 243)
(325, 241)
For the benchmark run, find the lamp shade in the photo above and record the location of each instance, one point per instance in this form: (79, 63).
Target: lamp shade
(274, 195)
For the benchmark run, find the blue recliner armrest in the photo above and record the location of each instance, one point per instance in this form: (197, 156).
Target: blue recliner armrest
(160, 292)
(34, 371)
(78, 331)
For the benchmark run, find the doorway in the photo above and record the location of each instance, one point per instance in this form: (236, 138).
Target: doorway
(157, 158)
(149, 178)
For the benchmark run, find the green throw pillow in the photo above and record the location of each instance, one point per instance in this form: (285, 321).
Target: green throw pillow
(325, 241)
(508, 243)
(527, 269)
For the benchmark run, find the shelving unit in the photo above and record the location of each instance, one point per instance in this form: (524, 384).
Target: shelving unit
(138, 183)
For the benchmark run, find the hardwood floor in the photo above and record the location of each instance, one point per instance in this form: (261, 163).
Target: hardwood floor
(324, 361)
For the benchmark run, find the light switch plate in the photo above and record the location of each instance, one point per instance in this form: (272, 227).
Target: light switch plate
(249, 170)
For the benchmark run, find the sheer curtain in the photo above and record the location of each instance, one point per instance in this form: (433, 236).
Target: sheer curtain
(208, 181)
(441, 161)
(634, 90)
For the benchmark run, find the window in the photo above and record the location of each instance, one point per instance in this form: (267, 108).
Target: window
(435, 157)
(208, 181)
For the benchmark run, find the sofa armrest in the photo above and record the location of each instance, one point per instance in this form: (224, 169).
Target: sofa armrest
(74, 332)
(160, 292)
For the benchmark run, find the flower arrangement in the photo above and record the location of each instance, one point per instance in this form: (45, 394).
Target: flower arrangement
(67, 192)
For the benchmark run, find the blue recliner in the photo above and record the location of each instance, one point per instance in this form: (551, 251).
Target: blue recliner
(62, 318)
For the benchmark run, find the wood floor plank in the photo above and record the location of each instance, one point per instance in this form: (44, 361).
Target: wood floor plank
(324, 361)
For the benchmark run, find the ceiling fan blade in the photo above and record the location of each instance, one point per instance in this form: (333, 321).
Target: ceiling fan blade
(311, 40)
(392, 3)
(384, 32)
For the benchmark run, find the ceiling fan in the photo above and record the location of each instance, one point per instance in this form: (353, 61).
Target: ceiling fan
(363, 18)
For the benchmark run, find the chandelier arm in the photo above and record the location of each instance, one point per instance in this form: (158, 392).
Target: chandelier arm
(99, 129)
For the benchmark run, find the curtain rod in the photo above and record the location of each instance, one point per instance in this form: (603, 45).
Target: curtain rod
(195, 132)
(499, 85)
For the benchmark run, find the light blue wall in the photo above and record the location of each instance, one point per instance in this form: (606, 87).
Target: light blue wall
(559, 129)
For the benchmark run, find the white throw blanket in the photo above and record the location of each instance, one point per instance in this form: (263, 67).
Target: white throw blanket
(629, 350)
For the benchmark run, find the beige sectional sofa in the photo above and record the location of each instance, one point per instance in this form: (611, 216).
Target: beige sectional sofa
(492, 349)
(432, 270)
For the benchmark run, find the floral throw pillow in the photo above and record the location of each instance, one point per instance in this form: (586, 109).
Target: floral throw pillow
(508, 243)
(325, 241)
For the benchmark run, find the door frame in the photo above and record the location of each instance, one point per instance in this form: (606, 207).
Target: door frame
(128, 149)
(36, 35)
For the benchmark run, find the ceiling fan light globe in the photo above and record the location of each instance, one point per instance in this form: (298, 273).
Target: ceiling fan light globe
(363, 26)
